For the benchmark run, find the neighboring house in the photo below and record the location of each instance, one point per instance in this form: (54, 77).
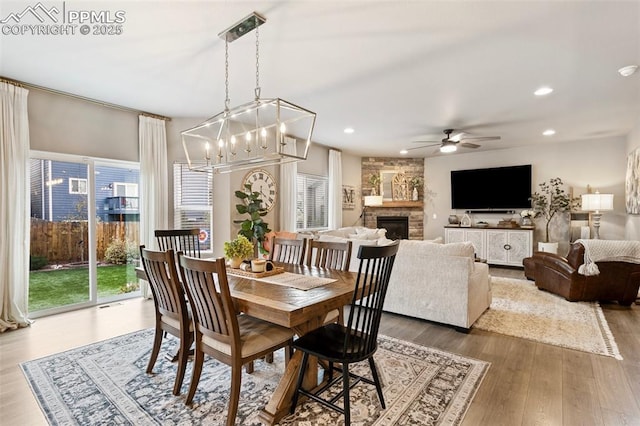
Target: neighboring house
(59, 192)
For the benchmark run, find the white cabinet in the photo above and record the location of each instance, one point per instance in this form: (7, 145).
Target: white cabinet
(498, 245)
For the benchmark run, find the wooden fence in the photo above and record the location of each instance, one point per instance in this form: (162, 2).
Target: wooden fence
(68, 242)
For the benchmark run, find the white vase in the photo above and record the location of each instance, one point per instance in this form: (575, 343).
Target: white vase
(548, 247)
(415, 194)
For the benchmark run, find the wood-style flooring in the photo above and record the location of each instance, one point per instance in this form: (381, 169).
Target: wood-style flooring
(528, 383)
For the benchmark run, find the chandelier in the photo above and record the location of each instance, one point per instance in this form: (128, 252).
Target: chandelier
(261, 132)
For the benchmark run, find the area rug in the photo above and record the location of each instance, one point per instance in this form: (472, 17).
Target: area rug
(519, 309)
(105, 383)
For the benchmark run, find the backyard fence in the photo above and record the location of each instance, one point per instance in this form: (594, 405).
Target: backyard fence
(68, 242)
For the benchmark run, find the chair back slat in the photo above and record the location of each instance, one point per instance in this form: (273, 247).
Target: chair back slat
(165, 284)
(184, 240)
(327, 254)
(366, 306)
(207, 288)
(286, 250)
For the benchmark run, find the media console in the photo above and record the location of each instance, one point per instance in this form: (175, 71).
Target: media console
(500, 246)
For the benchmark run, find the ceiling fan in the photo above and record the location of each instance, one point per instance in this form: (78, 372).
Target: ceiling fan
(450, 143)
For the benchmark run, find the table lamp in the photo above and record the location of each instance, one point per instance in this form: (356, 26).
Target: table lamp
(597, 203)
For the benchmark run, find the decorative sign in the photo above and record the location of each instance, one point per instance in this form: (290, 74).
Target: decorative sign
(348, 197)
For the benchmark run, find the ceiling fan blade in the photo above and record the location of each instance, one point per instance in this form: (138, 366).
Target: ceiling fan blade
(481, 138)
(429, 142)
(420, 147)
(469, 145)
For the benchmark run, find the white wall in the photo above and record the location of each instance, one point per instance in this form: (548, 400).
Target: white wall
(632, 229)
(599, 163)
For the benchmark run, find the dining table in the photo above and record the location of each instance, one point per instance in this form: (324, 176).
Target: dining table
(294, 308)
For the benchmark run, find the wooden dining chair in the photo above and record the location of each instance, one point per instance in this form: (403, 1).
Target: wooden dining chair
(287, 250)
(220, 331)
(172, 315)
(330, 255)
(355, 341)
(184, 240)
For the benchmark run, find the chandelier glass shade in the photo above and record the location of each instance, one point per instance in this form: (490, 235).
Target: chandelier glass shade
(262, 132)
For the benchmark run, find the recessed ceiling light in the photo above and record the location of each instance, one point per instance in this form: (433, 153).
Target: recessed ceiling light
(349, 130)
(404, 152)
(549, 132)
(543, 91)
(628, 70)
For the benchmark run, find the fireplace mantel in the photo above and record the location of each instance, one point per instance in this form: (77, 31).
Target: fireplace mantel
(399, 204)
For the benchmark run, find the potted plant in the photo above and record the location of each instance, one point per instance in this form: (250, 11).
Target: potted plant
(253, 228)
(375, 181)
(547, 203)
(415, 183)
(237, 250)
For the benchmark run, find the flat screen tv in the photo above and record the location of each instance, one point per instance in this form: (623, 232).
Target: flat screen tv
(497, 188)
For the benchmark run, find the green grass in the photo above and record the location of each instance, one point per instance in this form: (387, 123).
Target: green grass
(49, 289)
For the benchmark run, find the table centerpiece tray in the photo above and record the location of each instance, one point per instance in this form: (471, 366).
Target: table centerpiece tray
(239, 272)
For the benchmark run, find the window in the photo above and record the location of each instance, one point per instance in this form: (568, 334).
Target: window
(311, 201)
(192, 201)
(123, 189)
(77, 186)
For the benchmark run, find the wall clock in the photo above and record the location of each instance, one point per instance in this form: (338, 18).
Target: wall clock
(263, 182)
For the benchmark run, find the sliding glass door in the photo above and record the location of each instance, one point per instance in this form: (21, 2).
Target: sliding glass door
(84, 232)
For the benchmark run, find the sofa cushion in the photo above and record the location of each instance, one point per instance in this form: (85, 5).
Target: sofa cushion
(464, 249)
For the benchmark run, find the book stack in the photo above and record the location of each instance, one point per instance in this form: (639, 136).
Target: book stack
(508, 224)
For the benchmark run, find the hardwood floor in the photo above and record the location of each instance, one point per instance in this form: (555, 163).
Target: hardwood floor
(528, 383)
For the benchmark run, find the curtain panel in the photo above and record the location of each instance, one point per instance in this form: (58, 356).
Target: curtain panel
(335, 189)
(14, 207)
(287, 208)
(154, 183)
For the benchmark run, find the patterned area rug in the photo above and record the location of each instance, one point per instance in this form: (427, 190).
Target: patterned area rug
(105, 383)
(519, 309)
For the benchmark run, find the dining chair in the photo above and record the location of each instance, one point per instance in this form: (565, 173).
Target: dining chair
(171, 312)
(287, 250)
(330, 255)
(220, 331)
(355, 341)
(184, 240)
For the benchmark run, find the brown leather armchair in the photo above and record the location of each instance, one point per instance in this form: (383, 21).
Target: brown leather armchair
(617, 280)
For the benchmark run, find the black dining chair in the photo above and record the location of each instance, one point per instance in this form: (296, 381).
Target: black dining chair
(185, 240)
(355, 341)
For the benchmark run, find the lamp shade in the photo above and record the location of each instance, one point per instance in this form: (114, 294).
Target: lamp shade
(372, 200)
(597, 202)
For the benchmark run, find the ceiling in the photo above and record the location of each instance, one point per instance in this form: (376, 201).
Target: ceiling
(395, 71)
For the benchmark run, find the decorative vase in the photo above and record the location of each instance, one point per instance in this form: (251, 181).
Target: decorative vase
(526, 221)
(235, 262)
(548, 247)
(454, 220)
(415, 194)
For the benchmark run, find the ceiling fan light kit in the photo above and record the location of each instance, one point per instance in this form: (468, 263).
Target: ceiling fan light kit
(258, 133)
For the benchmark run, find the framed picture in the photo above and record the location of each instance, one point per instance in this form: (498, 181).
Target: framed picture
(348, 197)
(632, 183)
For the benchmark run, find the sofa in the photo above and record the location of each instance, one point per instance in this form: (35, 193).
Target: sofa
(430, 280)
(616, 280)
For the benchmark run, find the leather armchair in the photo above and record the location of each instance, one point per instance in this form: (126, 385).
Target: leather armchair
(617, 281)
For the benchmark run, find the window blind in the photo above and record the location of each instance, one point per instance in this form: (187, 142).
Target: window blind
(192, 201)
(311, 201)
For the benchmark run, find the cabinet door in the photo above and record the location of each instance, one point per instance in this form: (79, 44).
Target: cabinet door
(496, 242)
(454, 235)
(476, 237)
(520, 246)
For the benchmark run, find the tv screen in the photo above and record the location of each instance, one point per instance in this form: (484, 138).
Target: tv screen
(491, 189)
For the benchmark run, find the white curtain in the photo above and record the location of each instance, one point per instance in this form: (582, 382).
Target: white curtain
(14, 207)
(154, 181)
(335, 189)
(288, 175)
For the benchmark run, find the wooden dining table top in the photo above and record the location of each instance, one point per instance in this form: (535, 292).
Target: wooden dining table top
(287, 306)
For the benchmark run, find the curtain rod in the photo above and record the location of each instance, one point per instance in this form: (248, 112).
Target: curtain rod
(83, 98)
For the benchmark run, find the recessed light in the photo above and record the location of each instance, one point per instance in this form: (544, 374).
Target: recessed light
(349, 130)
(543, 91)
(404, 152)
(628, 70)
(549, 132)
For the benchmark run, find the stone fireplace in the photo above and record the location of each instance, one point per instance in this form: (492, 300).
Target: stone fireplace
(397, 226)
